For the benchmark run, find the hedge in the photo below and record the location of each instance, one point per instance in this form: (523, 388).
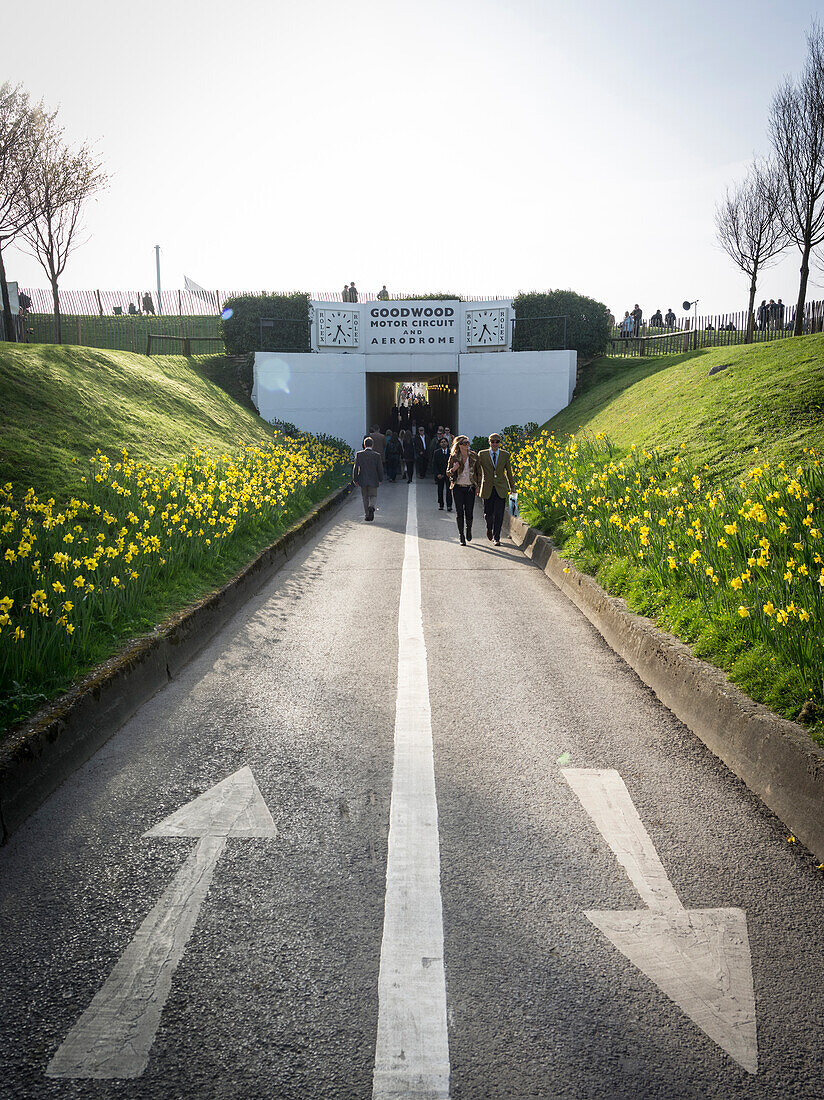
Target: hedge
(587, 323)
(241, 332)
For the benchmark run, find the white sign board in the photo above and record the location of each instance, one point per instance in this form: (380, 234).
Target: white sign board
(411, 326)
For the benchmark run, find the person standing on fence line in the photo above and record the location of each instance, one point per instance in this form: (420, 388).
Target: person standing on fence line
(496, 485)
(344, 297)
(353, 293)
(761, 315)
(669, 319)
(383, 294)
(779, 308)
(148, 304)
(465, 477)
(440, 461)
(627, 325)
(368, 473)
(657, 320)
(637, 315)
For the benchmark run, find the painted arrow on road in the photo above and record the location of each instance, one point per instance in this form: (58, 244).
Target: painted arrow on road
(699, 957)
(113, 1037)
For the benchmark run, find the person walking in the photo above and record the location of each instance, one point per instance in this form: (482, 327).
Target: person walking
(496, 484)
(392, 455)
(440, 461)
(408, 454)
(421, 450)
(378, 441)
(368, 473)
(464, 478)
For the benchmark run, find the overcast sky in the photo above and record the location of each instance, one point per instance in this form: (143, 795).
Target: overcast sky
(472, 146)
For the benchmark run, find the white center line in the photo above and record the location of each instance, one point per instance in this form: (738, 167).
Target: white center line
(412, 1049)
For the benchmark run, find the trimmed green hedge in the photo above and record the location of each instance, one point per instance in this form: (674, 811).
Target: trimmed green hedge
(242, 332)
(587, 323)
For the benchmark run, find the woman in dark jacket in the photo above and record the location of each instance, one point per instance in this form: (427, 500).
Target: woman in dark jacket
(464, 473)
(392, 455)
(408, 454)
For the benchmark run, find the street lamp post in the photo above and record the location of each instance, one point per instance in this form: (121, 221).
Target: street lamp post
(157, 258)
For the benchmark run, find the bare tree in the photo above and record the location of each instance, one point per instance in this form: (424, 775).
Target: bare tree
(749, 227)
(62, 180)
(20, 128)
(796, 128)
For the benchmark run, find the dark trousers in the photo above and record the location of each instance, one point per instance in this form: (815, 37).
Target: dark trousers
(494, 513)
(464, 507)
(410, 469)
(443, 483)
(421, 462)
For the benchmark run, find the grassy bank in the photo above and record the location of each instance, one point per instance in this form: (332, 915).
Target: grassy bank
(700, 499)
(144, 486)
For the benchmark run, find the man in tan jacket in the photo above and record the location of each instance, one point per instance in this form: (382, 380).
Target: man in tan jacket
(496, 485)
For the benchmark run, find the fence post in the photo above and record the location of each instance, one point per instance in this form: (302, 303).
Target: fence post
(79, 338)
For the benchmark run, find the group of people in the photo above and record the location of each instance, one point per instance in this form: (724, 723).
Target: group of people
(770, 315)
(460, 474)
(633, 319)
(350, 293)
(134, 311)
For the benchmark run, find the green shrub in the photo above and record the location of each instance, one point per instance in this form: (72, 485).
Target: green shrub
(242, 332)
(587, 323)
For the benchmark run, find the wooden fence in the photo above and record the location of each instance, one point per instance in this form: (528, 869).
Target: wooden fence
(712, 331)
(174, 303)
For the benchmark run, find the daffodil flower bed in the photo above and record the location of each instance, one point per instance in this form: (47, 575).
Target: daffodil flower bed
(71, 574)
(738, 568)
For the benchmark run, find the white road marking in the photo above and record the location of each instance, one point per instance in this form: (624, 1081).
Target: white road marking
(412, 1048)
(699, 957)
(113, 1037)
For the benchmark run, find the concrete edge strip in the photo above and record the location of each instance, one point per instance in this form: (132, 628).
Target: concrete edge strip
(775, 758)
(63, 736)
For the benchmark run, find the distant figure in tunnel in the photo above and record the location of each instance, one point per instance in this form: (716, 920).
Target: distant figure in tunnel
(464, 477)
(421, 450)
(378, 441)
(392, 455)
(368, 473)
(496, 485)
(408, 453)
(440, 461)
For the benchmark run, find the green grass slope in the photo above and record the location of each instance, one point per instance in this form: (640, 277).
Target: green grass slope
(59, 404)
(771, 396)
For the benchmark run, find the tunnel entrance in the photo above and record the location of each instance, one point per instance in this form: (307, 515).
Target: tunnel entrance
(440, 391)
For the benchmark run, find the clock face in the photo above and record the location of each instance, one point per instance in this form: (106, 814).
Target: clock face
(486, 327)
(338, 328)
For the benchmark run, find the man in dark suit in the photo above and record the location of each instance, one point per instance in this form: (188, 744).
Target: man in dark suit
(496, 485)
(421, 444)
(368, 473)
(440, 461)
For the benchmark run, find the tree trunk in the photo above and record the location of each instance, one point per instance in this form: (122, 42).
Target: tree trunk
(798, 327)
(55, 299)
(11, 324)
(750, 316)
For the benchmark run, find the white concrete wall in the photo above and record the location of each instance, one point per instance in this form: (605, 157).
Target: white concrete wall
(318, 393)
(327, 393)
(496, 389)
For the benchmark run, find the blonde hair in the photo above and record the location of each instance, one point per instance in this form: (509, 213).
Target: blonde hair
(455, 452)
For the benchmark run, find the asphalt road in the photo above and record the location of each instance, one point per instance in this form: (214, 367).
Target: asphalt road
(275, 994)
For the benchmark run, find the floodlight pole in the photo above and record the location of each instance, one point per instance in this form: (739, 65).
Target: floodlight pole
(157, 258)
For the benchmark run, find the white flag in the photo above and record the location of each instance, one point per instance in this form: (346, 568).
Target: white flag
(193, 288)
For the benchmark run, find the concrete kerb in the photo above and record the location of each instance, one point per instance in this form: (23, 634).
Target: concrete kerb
(776, 759)
(45, 751)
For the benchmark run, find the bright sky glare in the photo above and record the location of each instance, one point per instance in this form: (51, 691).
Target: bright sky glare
(470, 146)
